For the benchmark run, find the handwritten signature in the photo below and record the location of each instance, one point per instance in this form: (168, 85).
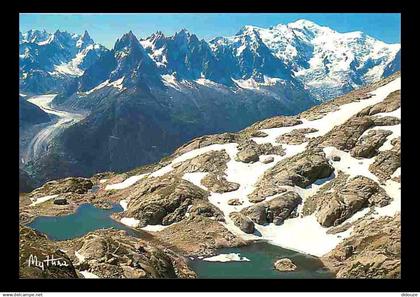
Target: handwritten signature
(49, 261)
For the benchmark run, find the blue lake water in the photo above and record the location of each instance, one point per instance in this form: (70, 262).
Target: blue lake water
(87, 218)
(262, 255)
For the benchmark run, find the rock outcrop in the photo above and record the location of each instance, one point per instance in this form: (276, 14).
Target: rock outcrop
(218, 184)
(285, 265)
(40, 257)
(162, 200)
(357, 193)
(301, 170)
(77, 185)
(386, 162)
(372, 251)
(212, 161)
(242, 222)
(249, 151)
(296, 136)
(367, 146)
(274, 211)
(199, 236)
(110, 253)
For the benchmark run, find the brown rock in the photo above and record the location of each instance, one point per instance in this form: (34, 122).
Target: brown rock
(274, 211)
(296, 136)
(372, 251)
(367, 146)
(301, 170)
(218, 184)
(234, 201)
(242, 222)
(285, 265)
(357, 193)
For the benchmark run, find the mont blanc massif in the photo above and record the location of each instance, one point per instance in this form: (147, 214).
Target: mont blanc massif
(273, 153)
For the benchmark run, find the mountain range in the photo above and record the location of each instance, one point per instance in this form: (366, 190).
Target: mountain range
(147, 96)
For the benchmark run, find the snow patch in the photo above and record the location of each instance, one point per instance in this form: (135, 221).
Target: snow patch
(88, 274)
(36, 201)
(126, 183)
(131, 222)
(232, 257)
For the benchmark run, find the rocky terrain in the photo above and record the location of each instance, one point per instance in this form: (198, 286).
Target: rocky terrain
(325, 182)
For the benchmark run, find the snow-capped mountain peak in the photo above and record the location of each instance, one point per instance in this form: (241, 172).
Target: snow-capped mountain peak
(326, 61)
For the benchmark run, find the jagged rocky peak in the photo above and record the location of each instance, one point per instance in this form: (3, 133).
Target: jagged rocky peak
(84, 40)
(127, 41)
(185, 37)
(156, 37)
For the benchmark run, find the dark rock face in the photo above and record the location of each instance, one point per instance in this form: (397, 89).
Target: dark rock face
(375, 250)
(34, 246)
(355, 194)
(208, 210)
(274, 211)
(367, 146)
(301, 170)
(386, 121)
(258, 134)
(394, 66)
(162, 200)
(26, 183)
(30, 114)
(242, 222)
(60, 201)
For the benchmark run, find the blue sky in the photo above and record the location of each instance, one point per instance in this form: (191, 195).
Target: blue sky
(106, 28)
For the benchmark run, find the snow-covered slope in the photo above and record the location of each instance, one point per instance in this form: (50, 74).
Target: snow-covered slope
(48, 60)
(329, 63)
(300, 230)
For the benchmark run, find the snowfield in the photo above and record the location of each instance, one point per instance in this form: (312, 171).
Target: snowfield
(303, 234)
(126, 183)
